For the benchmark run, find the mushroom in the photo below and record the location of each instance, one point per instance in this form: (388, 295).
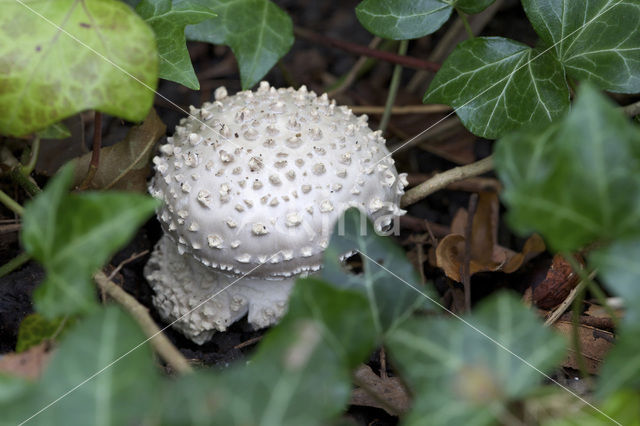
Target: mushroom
(252, 185)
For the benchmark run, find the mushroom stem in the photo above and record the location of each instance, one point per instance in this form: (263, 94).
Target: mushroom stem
(441, 180)
(158, 340)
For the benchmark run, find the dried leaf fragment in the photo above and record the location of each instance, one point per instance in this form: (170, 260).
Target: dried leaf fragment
(486, 253)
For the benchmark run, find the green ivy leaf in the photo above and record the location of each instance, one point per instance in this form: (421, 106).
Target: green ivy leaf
(621, 368)
(72, 235)
(34, 329)
(386, 271)
(55, 131)
(48, 75)
(408, 19)
(577, 181)
(497, 85)
(403, 19)
(300, 374)
(597, 41)
(112, 395)
(258, 32)
(459, 376)
(618, 266)
(168, 19)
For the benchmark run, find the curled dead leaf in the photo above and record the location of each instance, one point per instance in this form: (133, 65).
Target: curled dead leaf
(555, 286)
(387, 393)
(125, 165)
(486, 253)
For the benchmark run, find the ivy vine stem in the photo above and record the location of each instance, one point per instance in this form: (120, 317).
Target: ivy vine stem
(31, 165)
(393, 87)
(10, 203)
(14, 264)
(465, 22)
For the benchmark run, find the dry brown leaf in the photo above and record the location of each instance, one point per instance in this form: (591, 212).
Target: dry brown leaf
(28, 364)
(486, 253)
(555, 286)
(386, 393)
(124, 165)
(594, 344)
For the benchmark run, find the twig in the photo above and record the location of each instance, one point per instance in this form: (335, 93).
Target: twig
(351, 76)
(393, 87)
(562, 307)
(399, 110)
(249, 342)
(130, 259)
(405, 61)
(466, 265)
(14, 264)
(10, 203)
(95, 152)
(12, 227)
(632, 109)
(441, 180)
(158, 340)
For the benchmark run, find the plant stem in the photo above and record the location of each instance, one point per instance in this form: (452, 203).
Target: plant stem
(393, 88)
(10, 203)
(592, 286)
(14, 264)
(31, 165)
(401, 110)
(442, 180)
(24, 180)
(465, 22)
(95, 152)
(158, 340)
(575, 319)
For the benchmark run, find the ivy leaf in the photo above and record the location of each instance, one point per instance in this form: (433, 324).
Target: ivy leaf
(258, 32)
(386, 270)
(459, 376)
(408, 19)
(72, 235)
(577, 181)
(49, 75)
(497, 85)
(622, 407)
(168, 18)
(596, 41)
(34, 329)
(118, 395)
(618, 266)
(300, 374)
(403, 19)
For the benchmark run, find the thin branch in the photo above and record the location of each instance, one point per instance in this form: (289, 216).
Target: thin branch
(351, 76)
(95, 152)
(566, 303)
(466, 265)
(632, 109)
(158, 340)
(393, 87)
(400, 110)
(358, 49)
(441, 180)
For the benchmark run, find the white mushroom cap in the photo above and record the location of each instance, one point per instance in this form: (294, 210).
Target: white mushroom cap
(266, 177)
